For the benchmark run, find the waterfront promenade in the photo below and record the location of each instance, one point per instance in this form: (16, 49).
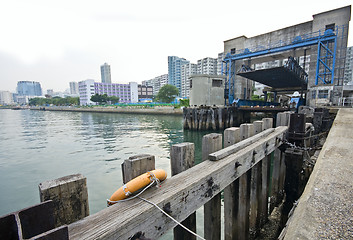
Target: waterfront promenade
(325, 209)
(111, 109)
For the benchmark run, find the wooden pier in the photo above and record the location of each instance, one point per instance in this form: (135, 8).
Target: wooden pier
(242, 170)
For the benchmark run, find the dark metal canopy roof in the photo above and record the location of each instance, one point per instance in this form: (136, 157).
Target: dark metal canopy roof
(278, 77)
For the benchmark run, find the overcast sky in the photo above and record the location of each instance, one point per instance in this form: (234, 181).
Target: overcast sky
(57, 42)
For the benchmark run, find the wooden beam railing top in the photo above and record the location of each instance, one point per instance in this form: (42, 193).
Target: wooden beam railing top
(179, 195)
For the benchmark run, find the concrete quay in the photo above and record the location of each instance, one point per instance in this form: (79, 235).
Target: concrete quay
(325, 209)
(126, 110)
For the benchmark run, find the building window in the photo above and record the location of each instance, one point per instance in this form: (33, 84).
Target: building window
(232, 51)
(216, 83)
(323, 94)
(330, 26)
(190, 83)
(313, 94)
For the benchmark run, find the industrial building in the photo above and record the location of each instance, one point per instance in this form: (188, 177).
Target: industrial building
(318, 47)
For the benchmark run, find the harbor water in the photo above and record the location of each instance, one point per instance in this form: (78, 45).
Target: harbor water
(36, 146)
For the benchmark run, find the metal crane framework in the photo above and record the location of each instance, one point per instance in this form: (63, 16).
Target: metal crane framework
(326, 41)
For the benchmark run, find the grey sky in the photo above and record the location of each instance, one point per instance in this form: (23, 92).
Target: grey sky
(56, 42)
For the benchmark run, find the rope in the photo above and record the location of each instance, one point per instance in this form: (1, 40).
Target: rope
(156, 180)
(181, 225)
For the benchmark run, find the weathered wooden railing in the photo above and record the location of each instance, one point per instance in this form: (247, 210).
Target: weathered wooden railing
(241, 169)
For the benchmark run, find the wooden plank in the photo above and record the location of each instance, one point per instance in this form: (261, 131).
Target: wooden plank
(179, 195)
(212, 209)
(236, 147)
(181, 159)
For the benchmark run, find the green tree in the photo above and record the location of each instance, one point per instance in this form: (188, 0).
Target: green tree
(184, 102)
(167, 93)
(113, 99)
(96, 98)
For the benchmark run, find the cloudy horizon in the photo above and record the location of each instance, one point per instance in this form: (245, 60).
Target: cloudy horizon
(57, 42)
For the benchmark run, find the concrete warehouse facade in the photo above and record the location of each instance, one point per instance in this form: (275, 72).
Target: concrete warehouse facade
(318, 91)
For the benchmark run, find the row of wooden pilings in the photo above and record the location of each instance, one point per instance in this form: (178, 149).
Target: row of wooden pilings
(248, 201)
(213, 118)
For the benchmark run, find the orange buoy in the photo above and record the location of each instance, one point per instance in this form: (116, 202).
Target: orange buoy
(136, 184)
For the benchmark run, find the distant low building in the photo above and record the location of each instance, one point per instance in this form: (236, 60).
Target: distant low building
(6, 98)
(127, 93)
(207, 90)
(145, 92)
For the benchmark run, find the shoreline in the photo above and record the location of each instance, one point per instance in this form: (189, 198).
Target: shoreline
(125, 110)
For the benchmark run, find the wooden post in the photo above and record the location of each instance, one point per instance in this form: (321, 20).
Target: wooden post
(137, 165)
(181, 159)
(278, 170)
(265, 175)
(220, 118)
(185, 121)
(282, 170)
(70, 198)
(255, 190)
(231, 136)
(212, 209)
(208, 119)
(194, 119)
(243, 193)
(213, 117)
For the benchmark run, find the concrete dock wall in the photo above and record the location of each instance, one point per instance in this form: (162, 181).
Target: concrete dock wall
(325, 210)
(126, 110)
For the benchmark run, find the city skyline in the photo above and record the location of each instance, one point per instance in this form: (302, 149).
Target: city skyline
(38, 44)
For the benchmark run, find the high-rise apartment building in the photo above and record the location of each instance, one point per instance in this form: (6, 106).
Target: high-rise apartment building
(348, 70)
(159, 82)
(220, 63)
(156, 83)
(29, 88)
(105, 73)
(186, 71)
(174, 71)
(74, 88)
(207, 66)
